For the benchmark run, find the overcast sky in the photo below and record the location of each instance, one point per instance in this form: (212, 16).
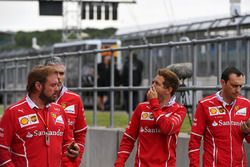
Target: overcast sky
(24, 15)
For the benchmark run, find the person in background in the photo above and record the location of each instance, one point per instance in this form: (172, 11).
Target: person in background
(104, 76)
(156, 124)
(137, 69)
(220, 121)
(73, 106)
(34, 131)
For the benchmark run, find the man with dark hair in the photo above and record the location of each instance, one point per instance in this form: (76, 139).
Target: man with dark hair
(34, 131)
(73, 106)
(156, 124)
(220, 121)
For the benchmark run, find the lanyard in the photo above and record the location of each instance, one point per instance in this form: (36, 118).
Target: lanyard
(46, 124)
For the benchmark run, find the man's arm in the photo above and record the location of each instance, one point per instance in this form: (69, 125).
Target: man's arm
(67, 143)
(196, 136)
(80, 130)
(168, 124)
(245, 128)
(6, 136)
(129, 137)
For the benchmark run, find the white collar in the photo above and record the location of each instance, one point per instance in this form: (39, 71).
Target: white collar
(220, 98)
(32, 103)
(64, 89)
(170, 102)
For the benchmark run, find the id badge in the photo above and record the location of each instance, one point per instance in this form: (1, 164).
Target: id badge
(47, 138)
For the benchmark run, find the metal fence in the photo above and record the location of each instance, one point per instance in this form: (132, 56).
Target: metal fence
(208, 57)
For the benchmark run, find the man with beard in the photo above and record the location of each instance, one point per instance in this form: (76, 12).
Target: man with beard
(73, 106)
(220, 122)
(34, 131)
(156, 124)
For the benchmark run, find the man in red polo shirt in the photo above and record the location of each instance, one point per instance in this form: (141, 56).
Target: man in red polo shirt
(220, 121)
(34, 131)
(156, 124)
(73, 106)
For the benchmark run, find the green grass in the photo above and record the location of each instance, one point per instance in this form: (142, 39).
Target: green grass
(1, 109)
(186, 126)
(120, 119)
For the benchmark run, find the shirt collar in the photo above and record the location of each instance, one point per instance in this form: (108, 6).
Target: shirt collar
(220, 98)
(32, 103)
(170, 102)
(64, 89)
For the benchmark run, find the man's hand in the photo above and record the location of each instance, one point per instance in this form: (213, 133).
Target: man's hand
(73, 150)
(245, 127)
(152, 93)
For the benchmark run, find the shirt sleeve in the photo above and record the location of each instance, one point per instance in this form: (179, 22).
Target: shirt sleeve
(80, 131)
(67, 139)
(168, 124)
(196, 135)
(247, 137)
(6, 136)
(129, 138)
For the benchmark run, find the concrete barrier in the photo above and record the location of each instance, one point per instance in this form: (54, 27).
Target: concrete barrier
(182, 150)
(102, 145)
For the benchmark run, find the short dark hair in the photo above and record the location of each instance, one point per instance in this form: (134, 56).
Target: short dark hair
(38, 74)
(230, 70)
(55, 60)
(171, 79)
